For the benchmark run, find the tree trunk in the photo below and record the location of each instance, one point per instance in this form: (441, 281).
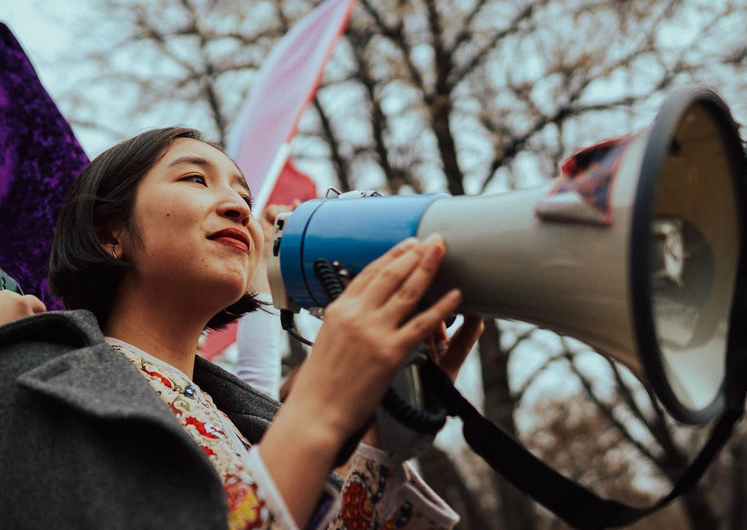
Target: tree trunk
(700, 511)
(737, 513)
(517, 510)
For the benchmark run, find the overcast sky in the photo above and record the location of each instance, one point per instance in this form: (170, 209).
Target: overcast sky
(42, 27)
(45, 30)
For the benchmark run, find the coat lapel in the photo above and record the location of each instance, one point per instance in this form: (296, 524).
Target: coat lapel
(250, 410)
(97, 380)
(100, 382)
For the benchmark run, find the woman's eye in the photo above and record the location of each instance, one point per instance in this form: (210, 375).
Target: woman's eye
(248, 200)
(196, 178)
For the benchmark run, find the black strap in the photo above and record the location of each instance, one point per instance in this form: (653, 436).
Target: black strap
(569, 500)
(572, 502)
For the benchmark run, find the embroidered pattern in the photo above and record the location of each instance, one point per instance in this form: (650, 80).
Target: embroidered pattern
(370, 497)
(373, 499)
(209, 428)
(357, 510)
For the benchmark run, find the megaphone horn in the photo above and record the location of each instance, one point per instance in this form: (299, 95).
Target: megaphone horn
(634, 250)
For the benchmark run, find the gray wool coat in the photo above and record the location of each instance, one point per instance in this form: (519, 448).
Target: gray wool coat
(86, 443)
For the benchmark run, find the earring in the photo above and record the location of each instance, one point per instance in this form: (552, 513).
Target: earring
(114, 254)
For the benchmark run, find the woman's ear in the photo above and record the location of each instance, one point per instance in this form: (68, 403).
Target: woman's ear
(110, 237)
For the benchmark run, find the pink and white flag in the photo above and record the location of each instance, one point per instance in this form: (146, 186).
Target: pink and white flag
(260, 138)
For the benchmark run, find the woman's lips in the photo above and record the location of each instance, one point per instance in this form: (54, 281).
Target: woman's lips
(232, 242)
(232, 237)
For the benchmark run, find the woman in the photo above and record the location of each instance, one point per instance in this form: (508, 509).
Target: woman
(108, 415)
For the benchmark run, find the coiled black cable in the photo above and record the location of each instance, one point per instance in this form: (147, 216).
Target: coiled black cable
(328, 277)
(333, 287)
(428, 420)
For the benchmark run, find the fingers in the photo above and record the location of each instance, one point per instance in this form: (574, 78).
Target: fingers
(405, 277)
(363, 278)
(405, 291)
(34, 304)
(418, 328)
(14, 306)
(460, 346)
(441, 334)
(277, 209)
(272, 211)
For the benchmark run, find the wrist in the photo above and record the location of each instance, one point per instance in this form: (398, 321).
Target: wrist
(298, 455)
(313, 430)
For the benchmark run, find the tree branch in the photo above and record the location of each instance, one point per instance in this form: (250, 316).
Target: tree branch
(207, 79)
(513, 27)
(465, 32)
(397, 35)
(606, 410)
(340, 164)
(441, 105)
(378, 118)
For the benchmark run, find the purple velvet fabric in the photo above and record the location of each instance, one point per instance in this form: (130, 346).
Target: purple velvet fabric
(39, 159)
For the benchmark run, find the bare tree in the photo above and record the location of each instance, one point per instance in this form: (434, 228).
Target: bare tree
(467, 96)
(578, 440)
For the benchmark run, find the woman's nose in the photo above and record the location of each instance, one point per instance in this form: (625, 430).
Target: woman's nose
(235, 208)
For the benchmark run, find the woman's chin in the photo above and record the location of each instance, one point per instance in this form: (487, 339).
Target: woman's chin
(228, 293)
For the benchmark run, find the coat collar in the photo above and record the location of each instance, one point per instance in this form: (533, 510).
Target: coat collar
(91, 376)
(86, 374)
(100, 382)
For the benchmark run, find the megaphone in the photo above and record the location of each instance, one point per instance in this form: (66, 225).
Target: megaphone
(634, 250)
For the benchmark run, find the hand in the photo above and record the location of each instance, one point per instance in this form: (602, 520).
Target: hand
(14, 306)
(368, 333)
(449, 354)
(268, 216)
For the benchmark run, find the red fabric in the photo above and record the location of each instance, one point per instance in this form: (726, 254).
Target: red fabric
(217, 341)
(284, 86)
(292, 184)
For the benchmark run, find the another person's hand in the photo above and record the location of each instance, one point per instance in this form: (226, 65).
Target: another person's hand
(14, 306)
(449, 354)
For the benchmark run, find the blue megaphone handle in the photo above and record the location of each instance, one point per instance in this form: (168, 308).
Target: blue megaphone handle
(353, 232)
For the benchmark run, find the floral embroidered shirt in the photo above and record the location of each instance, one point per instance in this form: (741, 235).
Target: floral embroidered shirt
(378, 493)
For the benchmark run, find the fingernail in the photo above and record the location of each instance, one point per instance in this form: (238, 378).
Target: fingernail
(434, 238)
(454, 296)
(408, 243)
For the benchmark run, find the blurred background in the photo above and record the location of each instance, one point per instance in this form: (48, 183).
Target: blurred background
(462, 96)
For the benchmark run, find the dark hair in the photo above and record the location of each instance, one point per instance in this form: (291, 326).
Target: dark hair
(81, 272)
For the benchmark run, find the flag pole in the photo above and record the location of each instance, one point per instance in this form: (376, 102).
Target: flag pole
(268, 185)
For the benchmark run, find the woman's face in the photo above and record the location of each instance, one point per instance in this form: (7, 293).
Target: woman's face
(199, 239)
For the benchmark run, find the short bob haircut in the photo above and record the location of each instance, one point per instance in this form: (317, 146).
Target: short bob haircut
(81, 273)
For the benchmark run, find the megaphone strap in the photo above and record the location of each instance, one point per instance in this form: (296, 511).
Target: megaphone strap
(575, 504)
(570, 501)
